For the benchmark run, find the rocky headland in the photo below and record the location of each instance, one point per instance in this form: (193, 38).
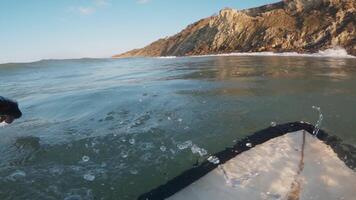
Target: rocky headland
(304, 26)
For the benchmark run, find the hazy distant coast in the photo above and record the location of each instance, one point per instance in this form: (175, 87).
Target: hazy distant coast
(288, 26)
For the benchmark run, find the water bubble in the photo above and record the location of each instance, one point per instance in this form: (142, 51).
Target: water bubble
(185, 145)
(133, 171)
(273, 124)
(73, 197)
(214, 160)
(180, 120)
(132, 141)
(172, 151)
(169, 118)
(89, 177)
(124, 154)
(85, 158)
(316, 108)
(140, 100)
(186, 128)
(17, 175)
(249, 144)
(269, 195)
(163, 148)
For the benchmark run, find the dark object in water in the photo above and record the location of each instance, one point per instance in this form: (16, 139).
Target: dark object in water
(9, 110)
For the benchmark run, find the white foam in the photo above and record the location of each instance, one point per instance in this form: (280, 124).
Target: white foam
(336, 52)
(2, 124)
(166, 57)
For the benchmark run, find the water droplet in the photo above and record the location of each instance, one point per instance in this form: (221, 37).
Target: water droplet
(248, 144)
(214, 160)
(163, 148)
(124, 154)
(89, 177)
(169, 118)
(180, 120)
(318, 123)
(132, 141)
(133, 171)
(273, 124)
(85, 158)
(172, 151)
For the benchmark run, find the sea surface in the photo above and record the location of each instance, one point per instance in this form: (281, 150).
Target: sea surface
(116, 128)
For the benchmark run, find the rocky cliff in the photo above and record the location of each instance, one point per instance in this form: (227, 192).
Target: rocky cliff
(290, 25)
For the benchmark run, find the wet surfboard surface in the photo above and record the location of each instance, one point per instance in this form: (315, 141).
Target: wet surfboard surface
(288, 163)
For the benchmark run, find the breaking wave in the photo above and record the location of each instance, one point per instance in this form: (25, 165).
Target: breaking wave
(166, 57)
(333, 53)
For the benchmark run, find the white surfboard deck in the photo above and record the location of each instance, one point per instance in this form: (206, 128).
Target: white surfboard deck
(276, 170)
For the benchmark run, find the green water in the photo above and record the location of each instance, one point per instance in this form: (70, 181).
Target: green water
(129, 115)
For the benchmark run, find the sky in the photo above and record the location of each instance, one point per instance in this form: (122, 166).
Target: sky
(58, 29)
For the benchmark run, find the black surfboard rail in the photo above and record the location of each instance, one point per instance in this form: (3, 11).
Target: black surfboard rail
(348, 156)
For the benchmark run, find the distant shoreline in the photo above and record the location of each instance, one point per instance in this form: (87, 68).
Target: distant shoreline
(328, 53)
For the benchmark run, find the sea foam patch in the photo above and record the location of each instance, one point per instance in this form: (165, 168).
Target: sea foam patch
(336, 52)
(2, 124)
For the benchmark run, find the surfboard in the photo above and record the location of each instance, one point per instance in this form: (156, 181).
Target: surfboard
(282, 162)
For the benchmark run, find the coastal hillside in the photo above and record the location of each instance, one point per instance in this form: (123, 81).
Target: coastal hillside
(304, 26)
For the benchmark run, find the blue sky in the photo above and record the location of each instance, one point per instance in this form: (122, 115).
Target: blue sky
(42, 29)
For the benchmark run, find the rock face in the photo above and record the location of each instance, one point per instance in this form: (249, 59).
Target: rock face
(290, 25)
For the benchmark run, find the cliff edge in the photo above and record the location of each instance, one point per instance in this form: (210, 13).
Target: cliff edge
(304, 26)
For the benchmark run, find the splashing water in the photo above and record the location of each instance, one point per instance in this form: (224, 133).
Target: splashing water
(318, 123)
(214, 160)
(185, 145)
(197, 150)
(2, 124)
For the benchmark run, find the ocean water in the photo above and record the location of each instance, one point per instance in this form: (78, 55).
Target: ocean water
(116, 128)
